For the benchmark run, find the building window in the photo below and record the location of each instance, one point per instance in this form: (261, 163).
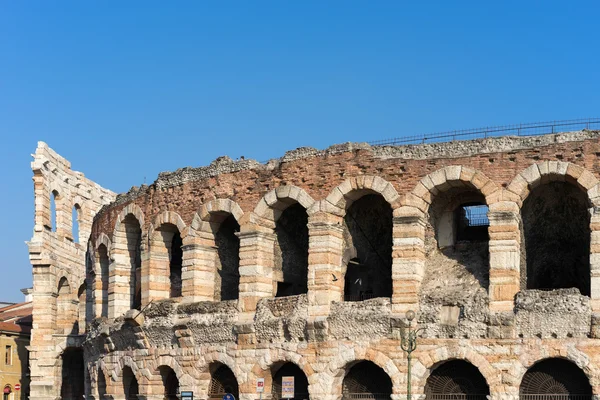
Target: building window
(8, 356)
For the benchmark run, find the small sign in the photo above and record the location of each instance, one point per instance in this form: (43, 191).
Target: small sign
(229, 396)
(287, 387)
(260, 385)
(17, 387)
(187, 395)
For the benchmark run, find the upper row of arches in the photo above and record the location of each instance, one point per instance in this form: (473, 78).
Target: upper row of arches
(366, 206)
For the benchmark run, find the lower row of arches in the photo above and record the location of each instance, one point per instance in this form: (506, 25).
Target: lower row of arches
(552, 378)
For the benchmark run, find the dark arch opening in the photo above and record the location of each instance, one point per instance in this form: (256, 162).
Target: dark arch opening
(458, 378)
(222, 381)
(289, 370)
(170, 383)
(555, 376)
(72, 387)
(556, 229)
(291, 251)
(131, 388)
(175, 265)
(366, 380)
(133, 233)
(227, 279)
(368, 238)
(472, 222)
(104, 265)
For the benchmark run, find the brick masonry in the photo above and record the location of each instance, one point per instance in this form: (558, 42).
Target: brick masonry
(317, 331)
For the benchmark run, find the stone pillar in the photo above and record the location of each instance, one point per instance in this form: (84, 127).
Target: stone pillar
(595, 270)
(155, 277)
(505, 255)
(325, 273)
(256, 266)
(198, 269)
(408, 256)
(505, 259)
(42, 348)
(122, 270)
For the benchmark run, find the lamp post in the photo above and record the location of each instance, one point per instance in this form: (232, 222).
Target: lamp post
(408, 343)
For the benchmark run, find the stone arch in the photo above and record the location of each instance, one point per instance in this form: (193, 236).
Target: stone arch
(558, 255)
(133, 209)
(548, 171)
(426, 362)
(100, 269)
(455, 377)
(577, 357)
(216, 226)
(264, 368)
(277, 200)
(126, 254)
(343, 195)
(103, 238)
(167, 217)
(347, 359)
(205, 215)
(212, 360)
(285, 211)
(162, 275)
(567, 369)
(446, 178)
(365, 204)
(171, 362)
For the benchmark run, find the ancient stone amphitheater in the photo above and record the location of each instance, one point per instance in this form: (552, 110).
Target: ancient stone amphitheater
(214, 279)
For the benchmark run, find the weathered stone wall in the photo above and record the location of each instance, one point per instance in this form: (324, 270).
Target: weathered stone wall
(467, 294)
(59, 264)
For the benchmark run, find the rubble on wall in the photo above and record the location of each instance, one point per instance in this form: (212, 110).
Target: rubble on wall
(360, 320)
(559, 313)
(456, 279)
(282, 319)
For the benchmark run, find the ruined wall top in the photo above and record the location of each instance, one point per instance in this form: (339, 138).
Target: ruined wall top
(454, 149)
(52, 176)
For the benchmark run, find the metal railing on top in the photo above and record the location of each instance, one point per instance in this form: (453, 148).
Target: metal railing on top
(531, 129)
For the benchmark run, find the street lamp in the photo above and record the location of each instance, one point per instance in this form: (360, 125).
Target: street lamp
(409, 344)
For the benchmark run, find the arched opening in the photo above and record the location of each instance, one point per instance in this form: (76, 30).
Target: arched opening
(133, 239)
(368, 246)
(222, 382)
(291, 251)
(66, 308)
(289, 382)
(456, 379)
(454, 289)
(167, 257)
(75, 220)
(131, 388)
(556, 245)
(365, 380)
(227, 277)
(54, 196)
(72, 387)
(170, 383)
(557, 377)
(82, 304)
(101, 384)
(103, 289)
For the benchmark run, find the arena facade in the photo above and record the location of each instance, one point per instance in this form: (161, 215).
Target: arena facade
(212, 278)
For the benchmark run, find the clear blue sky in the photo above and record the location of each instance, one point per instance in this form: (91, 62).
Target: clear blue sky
(125, 90)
